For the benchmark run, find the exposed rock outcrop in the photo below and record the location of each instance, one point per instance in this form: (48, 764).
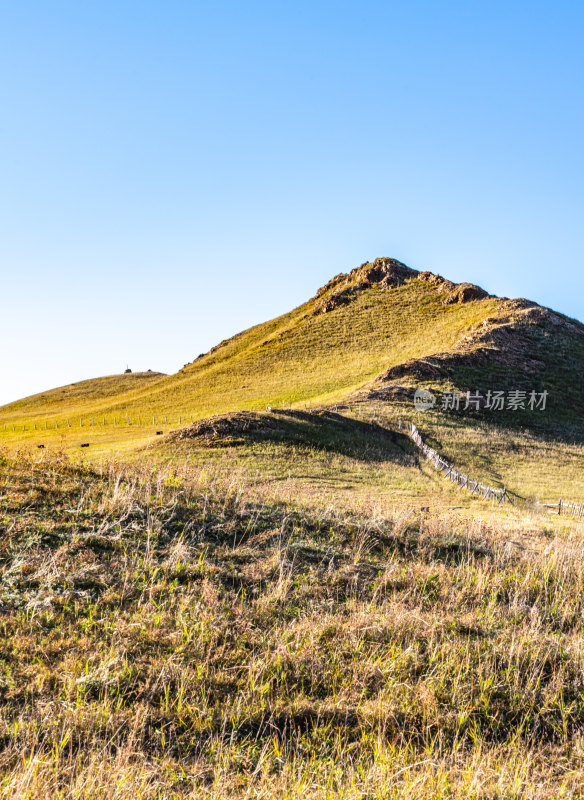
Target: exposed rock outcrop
(382, 273)
(385, 273)
(463, 293)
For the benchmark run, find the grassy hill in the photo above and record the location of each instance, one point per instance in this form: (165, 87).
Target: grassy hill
(365, 341)
(310, 354)
(76, 397)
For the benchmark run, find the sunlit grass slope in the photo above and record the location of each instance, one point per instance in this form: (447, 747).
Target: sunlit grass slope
(300, 357)
(79, 398)
(294, 359)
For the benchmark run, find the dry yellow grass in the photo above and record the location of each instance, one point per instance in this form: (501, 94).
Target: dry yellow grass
(171, 633)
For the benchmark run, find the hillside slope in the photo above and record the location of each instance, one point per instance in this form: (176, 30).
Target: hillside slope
(371, 335)
(382, 321)
(84, 395)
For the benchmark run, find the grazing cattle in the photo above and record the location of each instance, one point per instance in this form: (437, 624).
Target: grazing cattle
(159, 433)
(84, 445)
(40, 446)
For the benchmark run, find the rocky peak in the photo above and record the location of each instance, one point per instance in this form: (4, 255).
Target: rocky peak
(385, 273)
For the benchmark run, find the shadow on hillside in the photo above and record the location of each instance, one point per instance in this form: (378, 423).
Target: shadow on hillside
(325, 431)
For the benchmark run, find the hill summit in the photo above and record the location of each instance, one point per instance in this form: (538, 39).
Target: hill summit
(385, 273)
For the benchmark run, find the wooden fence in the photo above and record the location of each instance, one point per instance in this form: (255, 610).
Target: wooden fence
(450, 471)
(127, 420)
(561, 507)
(486, 492)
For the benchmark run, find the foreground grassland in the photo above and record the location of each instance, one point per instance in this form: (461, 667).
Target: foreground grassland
(169, 635)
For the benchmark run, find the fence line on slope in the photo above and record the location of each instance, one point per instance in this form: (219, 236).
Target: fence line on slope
(450, 471)
(486, 492)
(120, 421)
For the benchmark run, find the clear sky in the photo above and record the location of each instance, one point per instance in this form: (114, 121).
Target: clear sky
(174, 172)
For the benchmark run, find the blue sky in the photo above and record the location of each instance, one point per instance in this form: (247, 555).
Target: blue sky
(172, 173)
